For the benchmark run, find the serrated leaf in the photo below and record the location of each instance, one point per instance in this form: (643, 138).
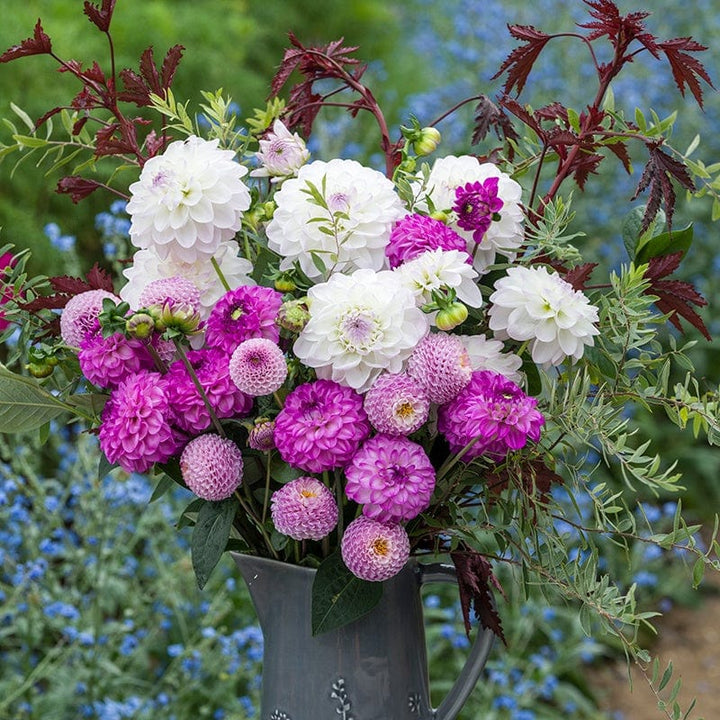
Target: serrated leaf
(339, 597)
(210, 536)
(24, 404)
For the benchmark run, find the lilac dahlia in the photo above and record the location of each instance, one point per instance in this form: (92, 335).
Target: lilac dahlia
(374, 551)
(258, 367)
(416, 234)
(396, 404)
(175, 290)
(391, 477)
(304, 509)
(212, 467)
(494, 412)
(246, 312)
(135, 431)
(80, 315)
(320, 426)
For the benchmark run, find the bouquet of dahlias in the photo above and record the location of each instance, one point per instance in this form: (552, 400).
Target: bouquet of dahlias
(347, 366)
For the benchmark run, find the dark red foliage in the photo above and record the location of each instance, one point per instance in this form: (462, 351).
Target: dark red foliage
(150, 80)
(475, 577)
(685, 68)
(675, 296)
(521, 60)
(100, 16)
(580, 275)
(489, 116)
(78, 188)
(38, 44)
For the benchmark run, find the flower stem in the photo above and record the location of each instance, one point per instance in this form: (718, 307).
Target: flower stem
(220, 274)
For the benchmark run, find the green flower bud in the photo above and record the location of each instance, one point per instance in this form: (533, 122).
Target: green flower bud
(293, 315)
(427, 142)
(140, 325)
(284, 283)
(181, 317)
(440, 215)
(451, 316)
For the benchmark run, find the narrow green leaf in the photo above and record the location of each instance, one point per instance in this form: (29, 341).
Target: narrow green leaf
(698, 572)
(666, 676)
(210, 536)
(338, 597)
(23, 116)
(189, 514)
(30, 141)
(163, 486)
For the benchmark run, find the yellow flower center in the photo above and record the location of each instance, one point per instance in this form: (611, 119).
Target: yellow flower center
(380, 546)
(404, 410)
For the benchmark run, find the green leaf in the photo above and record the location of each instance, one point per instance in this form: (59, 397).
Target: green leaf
(282, 472)
(29, 141)
(663, 244)
(210, 536)
(165, 484)
(189, 514)
(632, 239)
(534, 382)
(24, 404)
(338, 597)
(698, 572)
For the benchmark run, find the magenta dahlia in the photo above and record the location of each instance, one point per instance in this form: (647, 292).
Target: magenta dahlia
(212, 467)
(304, 509)
(320, 426)
(477, 204)
(135, 431)
(493, 412)
(374, 551)
(106, 361)
(211, 368)
(396, 404)
(441, 365)
(415, 234)
(258, 367)
(246, 312)
(391, 477)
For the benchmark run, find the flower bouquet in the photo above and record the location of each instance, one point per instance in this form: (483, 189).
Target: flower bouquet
(347, 366)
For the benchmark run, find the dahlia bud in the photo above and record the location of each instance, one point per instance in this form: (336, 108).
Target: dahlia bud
(440, 215)
(451, 316)
(293, 315)
(427, 142)
(281, 155)
(284, 283)
(140, 325)
(182, 317)
(261, 435)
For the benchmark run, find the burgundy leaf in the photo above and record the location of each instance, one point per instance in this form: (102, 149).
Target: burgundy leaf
(50, 113)
(85, 100)
(136, 91)
(77, 187)
(38, 44)
(579, 275)
(170, 65)
(520, 61)
(150, 72)
(488, 116)
(79, 124)
(523, 114)
(685, 68)
(99, 279)
(620, 29)
(619, 149)
(475, 575)
(100, 16)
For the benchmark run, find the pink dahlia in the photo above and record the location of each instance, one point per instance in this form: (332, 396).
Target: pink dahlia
(246, 312)
(189, 411)
(261, 436)
(304, 509)
(80, 316)
(441, 365)
(477, 204)
(374, 551)
(212, 467)
(106, 361)
(396, 404)
(135, 431)
(320, 426)
(175, 290)
(415, 234)
(492, 411)
(258, 367)
(391, 477)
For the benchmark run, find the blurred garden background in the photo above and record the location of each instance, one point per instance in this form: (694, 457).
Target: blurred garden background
(100, 616)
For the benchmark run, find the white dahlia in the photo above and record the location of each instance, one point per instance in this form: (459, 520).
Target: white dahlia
(281, 155)
(188, 200)
(339, 212)
(530, 303)
(488, 354)
(147, 266)
(438, 269)
(360, 325)
(505, 234)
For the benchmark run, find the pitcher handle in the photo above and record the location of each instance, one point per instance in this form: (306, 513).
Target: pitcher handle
(468, 677)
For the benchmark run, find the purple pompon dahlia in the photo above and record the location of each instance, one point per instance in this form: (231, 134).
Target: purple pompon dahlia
(135, 431)
(441, 365)
(396, 404)
(391, 477)
(246, 312)
(477, 204)
(175, 290)
(415, 234)
(106, 361)
(261, 436)
(189, 411)
(212, 467)
(492, 411)
(80, 316)
(258, 367)
(321, 426)
(374, 551)
(304, 509)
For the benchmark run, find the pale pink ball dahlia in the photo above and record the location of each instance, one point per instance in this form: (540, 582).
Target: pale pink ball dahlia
(135, 431)
(416, 234)
(441, 365)
(320, 426)
(374, 551)
(492, 411)
(304, 509)
(175, 290)
(396, 404)
(106, 361)
(80, 316)
(391, 477)
(258, 367)
(212, 467)
(246, 312)
(189, 411)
